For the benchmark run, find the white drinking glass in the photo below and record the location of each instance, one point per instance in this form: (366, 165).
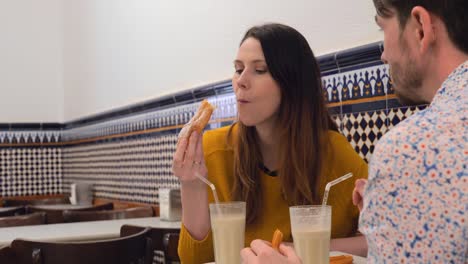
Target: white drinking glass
(311, 230)
(228, 227)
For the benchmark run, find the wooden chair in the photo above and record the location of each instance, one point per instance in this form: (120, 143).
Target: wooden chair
(80, 216)
(98, 207)
(12, 211)
(165, 240)
(171, 245)
(54, 216)
(19, 202)
(6, 255)
(23, 220)
(133, 249)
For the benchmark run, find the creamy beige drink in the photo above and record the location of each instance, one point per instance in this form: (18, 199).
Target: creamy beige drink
(228, 238)
(312, 246)
(311, 229)
(228, 227)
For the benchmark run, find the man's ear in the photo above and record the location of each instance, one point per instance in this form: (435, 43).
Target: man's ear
(422, 27)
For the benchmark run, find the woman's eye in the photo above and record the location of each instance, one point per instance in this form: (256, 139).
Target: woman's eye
(239, 71)
(260, 71)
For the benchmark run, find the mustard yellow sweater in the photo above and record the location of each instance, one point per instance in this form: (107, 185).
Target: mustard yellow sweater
(275, 210)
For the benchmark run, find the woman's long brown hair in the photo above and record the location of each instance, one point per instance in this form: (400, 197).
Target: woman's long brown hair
(303, 123)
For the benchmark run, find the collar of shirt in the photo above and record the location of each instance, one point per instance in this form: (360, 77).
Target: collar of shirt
(454, 86)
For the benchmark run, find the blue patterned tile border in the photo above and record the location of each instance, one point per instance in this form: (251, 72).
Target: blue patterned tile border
(368, 83)
(169, 118)
(30, 137)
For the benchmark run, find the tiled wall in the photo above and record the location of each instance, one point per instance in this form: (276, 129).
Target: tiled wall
(132, 167)
(127, 153)
(30, 160)
(363, 104)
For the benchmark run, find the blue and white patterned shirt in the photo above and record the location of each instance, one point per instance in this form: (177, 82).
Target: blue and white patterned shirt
(416, 199)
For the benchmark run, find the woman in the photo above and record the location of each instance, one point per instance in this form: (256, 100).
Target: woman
(281, 152)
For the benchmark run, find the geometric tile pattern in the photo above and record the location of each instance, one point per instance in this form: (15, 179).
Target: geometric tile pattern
(225, 108)
(357, 84)
(363, 130)
(339, 121)
(30, 171)
(130, 169)
(38, 136)
(396, 115)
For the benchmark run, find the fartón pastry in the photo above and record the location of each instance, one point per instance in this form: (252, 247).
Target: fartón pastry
(343, 259)
(198, 121)
(277, 239)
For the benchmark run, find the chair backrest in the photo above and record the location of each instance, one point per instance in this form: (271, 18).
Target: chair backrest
(19, 202)
(52, 216)
(56, 215)
(171, 244)
(165, 240)
(81, 216)
(6, 255)
(23, 220)
(98, 207)
(12, 211)
(133, 249)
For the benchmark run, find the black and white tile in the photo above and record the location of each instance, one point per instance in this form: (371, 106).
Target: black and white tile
(363, 130)
(131, 168)
(398, 114)
(30, 171)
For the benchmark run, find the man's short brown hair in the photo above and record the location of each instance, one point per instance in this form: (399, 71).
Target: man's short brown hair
(454, 14)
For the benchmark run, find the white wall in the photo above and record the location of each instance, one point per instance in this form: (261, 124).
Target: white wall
(31, 78)
(119, 52)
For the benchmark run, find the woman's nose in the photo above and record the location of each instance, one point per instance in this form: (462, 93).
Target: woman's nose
(242, 80)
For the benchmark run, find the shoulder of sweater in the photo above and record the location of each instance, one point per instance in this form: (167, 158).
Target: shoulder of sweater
(216, 140)
(337, 139)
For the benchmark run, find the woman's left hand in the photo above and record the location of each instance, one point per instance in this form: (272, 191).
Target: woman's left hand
(358, 193)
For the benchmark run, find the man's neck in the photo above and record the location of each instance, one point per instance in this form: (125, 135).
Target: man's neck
(442, 66)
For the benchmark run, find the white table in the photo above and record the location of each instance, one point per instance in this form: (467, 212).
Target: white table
(61, 206)
(93, 230)
(356, 259)
(4, 209)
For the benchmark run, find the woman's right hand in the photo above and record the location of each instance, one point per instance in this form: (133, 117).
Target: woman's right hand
(188, 161)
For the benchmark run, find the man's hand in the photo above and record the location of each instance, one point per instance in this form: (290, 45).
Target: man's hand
(358, 192)
(261, 252)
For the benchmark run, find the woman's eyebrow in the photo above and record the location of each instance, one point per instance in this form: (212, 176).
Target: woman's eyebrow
(254, 61)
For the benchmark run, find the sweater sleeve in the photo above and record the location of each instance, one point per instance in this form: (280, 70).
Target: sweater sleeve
(218, 162)
(194, 251)
(342, 160)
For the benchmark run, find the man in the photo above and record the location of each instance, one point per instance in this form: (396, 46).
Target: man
(413, 207)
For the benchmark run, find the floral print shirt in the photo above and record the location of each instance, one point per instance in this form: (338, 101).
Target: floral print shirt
(416, 200)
